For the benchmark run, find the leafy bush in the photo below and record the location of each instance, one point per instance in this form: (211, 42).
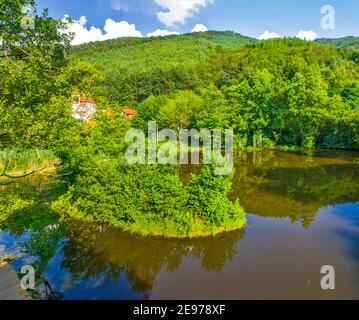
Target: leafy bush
(208, 199)
(150, 199)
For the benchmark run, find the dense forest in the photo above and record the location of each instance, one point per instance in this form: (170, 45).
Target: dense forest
(288, 91)
(134, 68)
(274, 93)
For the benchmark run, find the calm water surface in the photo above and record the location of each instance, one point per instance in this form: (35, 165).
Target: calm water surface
(303, 213)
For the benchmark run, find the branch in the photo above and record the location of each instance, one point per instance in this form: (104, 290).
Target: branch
(4, 174)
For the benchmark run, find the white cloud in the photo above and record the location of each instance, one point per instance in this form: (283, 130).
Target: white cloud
(307, 35)
(199, 28)
(112, 30)
(120, 29)
(177, 11)
(161, 33)
(268, 35)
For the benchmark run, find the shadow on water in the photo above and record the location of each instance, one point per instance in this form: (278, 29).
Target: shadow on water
(25, 215)
(92, 250)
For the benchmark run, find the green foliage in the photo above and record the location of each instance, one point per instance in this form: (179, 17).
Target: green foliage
(119, 194)
(26, 206)
(138, 68)
(277, 92)
(213, 112)
(145, 199)
(151, 200)
(27, 160)
(305, 94)
(184, 109)
(179, 110)
(148, 110)
(34, 106)
(43, 42)
(346, 42)
(208, 198)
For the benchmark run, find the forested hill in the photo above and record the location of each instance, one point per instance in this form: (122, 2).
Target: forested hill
(136, 53)
(156, 64)
(346, 42)
(226, 39)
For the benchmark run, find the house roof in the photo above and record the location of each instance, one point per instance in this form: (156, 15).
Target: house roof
(85, 99)
(128, 111)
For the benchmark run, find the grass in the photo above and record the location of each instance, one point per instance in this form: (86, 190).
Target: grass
(25, 161)
(196, 229)
(167, 228)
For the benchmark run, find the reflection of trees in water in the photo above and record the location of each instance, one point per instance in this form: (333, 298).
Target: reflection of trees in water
(295, 184)
(279, 184)
(91, 251)
(25, 207)
(25, 204)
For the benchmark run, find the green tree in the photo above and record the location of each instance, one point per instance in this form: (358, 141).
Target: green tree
(208, 198)
(31, 103)
(214, 112)
(308, 104)
(179, 111)
(149, 110)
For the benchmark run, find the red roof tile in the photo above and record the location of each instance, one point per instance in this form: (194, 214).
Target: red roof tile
(128, 111)
(86, 100)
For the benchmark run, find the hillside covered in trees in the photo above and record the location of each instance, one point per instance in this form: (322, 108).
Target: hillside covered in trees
(288, 91)
(346, 42)
(138, 67)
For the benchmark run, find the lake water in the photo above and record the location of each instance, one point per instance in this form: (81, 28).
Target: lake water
(303, 213)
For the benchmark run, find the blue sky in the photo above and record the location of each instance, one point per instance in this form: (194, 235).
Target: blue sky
(249, 17)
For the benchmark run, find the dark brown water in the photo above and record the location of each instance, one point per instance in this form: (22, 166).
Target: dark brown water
(303, 213)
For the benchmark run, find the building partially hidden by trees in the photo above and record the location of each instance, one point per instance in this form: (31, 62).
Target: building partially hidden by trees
(129, 113)
(83, 108)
